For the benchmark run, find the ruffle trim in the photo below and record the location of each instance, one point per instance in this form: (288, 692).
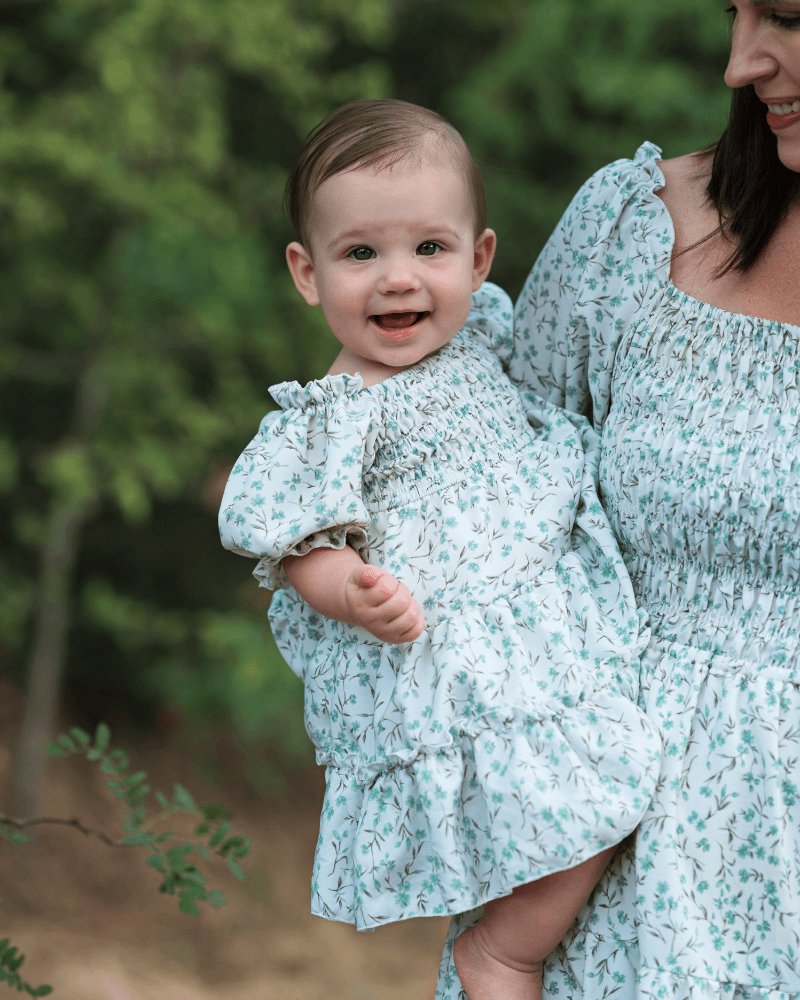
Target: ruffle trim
(293, 395)
(660, 984)
(270, 573)
(511, 798)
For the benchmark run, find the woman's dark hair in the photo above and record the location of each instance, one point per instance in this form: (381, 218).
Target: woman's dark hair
(749, 186)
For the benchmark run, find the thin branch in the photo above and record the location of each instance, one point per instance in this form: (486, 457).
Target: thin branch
(20, 824)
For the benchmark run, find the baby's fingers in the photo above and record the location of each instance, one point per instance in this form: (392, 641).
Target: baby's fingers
(391, 613)
(377, 586)
(409, 626)
(405, 627)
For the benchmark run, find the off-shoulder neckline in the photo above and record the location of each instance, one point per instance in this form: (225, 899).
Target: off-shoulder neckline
(648, 159)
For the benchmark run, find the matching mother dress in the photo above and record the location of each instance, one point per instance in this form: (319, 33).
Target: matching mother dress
(697, 411)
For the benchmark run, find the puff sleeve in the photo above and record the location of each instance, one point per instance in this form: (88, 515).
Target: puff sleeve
(491, 318)
(609, 252)
(297, 485)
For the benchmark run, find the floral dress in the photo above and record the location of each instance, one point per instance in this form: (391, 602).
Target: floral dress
(699, 412)
(505, 743)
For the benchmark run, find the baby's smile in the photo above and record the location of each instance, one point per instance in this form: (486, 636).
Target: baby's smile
(398, 324)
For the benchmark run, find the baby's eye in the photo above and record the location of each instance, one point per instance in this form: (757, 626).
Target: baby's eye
(361, 253)
(429, 248)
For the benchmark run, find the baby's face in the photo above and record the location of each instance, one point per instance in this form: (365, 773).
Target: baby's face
(394, 259)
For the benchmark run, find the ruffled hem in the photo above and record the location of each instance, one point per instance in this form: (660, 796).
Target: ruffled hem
(660, 984)
(508, 799)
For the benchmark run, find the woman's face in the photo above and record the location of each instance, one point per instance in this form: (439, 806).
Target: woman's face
(765, 52)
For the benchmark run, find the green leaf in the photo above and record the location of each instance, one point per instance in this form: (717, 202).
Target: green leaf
(221, 832)
(120, 758)
(80, 736)
(215, 811)
(182, 799)
(235, 868)
(42, 991)
(135, 779)
(179, 853)
(16, 837)
(67, 742)
(102, 736)
(138, 840)
(186, 904)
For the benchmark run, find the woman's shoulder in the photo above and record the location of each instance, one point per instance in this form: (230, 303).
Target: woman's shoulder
(684, 196)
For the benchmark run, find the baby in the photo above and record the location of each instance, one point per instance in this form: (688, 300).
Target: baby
(449, 589)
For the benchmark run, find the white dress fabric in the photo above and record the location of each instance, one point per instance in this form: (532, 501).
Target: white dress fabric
(698, 411)
(505, 743)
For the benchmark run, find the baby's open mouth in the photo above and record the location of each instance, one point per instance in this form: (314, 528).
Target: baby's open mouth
(398, 320)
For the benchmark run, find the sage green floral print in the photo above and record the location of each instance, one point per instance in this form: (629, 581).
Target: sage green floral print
(505, 743)
(698, 411)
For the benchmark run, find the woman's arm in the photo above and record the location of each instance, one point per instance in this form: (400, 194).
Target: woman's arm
(338, 584)
(608, 252)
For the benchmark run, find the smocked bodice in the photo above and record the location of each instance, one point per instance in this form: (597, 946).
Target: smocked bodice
(700, 470)
(447, 414)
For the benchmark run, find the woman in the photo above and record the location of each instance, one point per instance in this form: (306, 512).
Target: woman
(680, 336)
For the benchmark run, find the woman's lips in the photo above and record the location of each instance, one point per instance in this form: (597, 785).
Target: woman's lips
(781, 115)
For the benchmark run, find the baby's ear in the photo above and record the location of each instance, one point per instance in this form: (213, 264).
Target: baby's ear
(301, 268)
(485, 246)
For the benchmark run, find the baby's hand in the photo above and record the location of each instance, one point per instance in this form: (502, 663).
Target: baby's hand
(382, 605)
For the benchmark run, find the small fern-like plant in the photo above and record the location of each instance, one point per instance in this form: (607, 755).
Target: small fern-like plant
(10, 963)
(178, 860)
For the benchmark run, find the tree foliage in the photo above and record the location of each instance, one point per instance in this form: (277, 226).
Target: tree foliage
(143, 150)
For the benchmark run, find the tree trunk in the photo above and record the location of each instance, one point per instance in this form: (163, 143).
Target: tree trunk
(48, 653)
(53, 616)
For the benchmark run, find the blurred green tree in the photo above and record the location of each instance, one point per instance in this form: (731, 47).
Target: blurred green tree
(573, 85)
(141, 297)
(143, 150)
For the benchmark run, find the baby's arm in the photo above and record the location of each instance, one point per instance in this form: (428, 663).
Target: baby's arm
(338, 584)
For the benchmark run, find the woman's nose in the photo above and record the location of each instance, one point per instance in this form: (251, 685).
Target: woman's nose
(751, 58)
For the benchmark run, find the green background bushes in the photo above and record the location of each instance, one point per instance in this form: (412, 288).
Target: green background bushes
(143, 151)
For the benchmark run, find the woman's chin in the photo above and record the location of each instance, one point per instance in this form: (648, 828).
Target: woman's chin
(789, 148)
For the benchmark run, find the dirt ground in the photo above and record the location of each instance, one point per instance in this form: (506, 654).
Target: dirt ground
(91, 922)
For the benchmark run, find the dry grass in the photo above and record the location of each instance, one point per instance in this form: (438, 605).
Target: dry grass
(92, 924)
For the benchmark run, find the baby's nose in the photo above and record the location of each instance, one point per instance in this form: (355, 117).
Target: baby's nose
(399, 276)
